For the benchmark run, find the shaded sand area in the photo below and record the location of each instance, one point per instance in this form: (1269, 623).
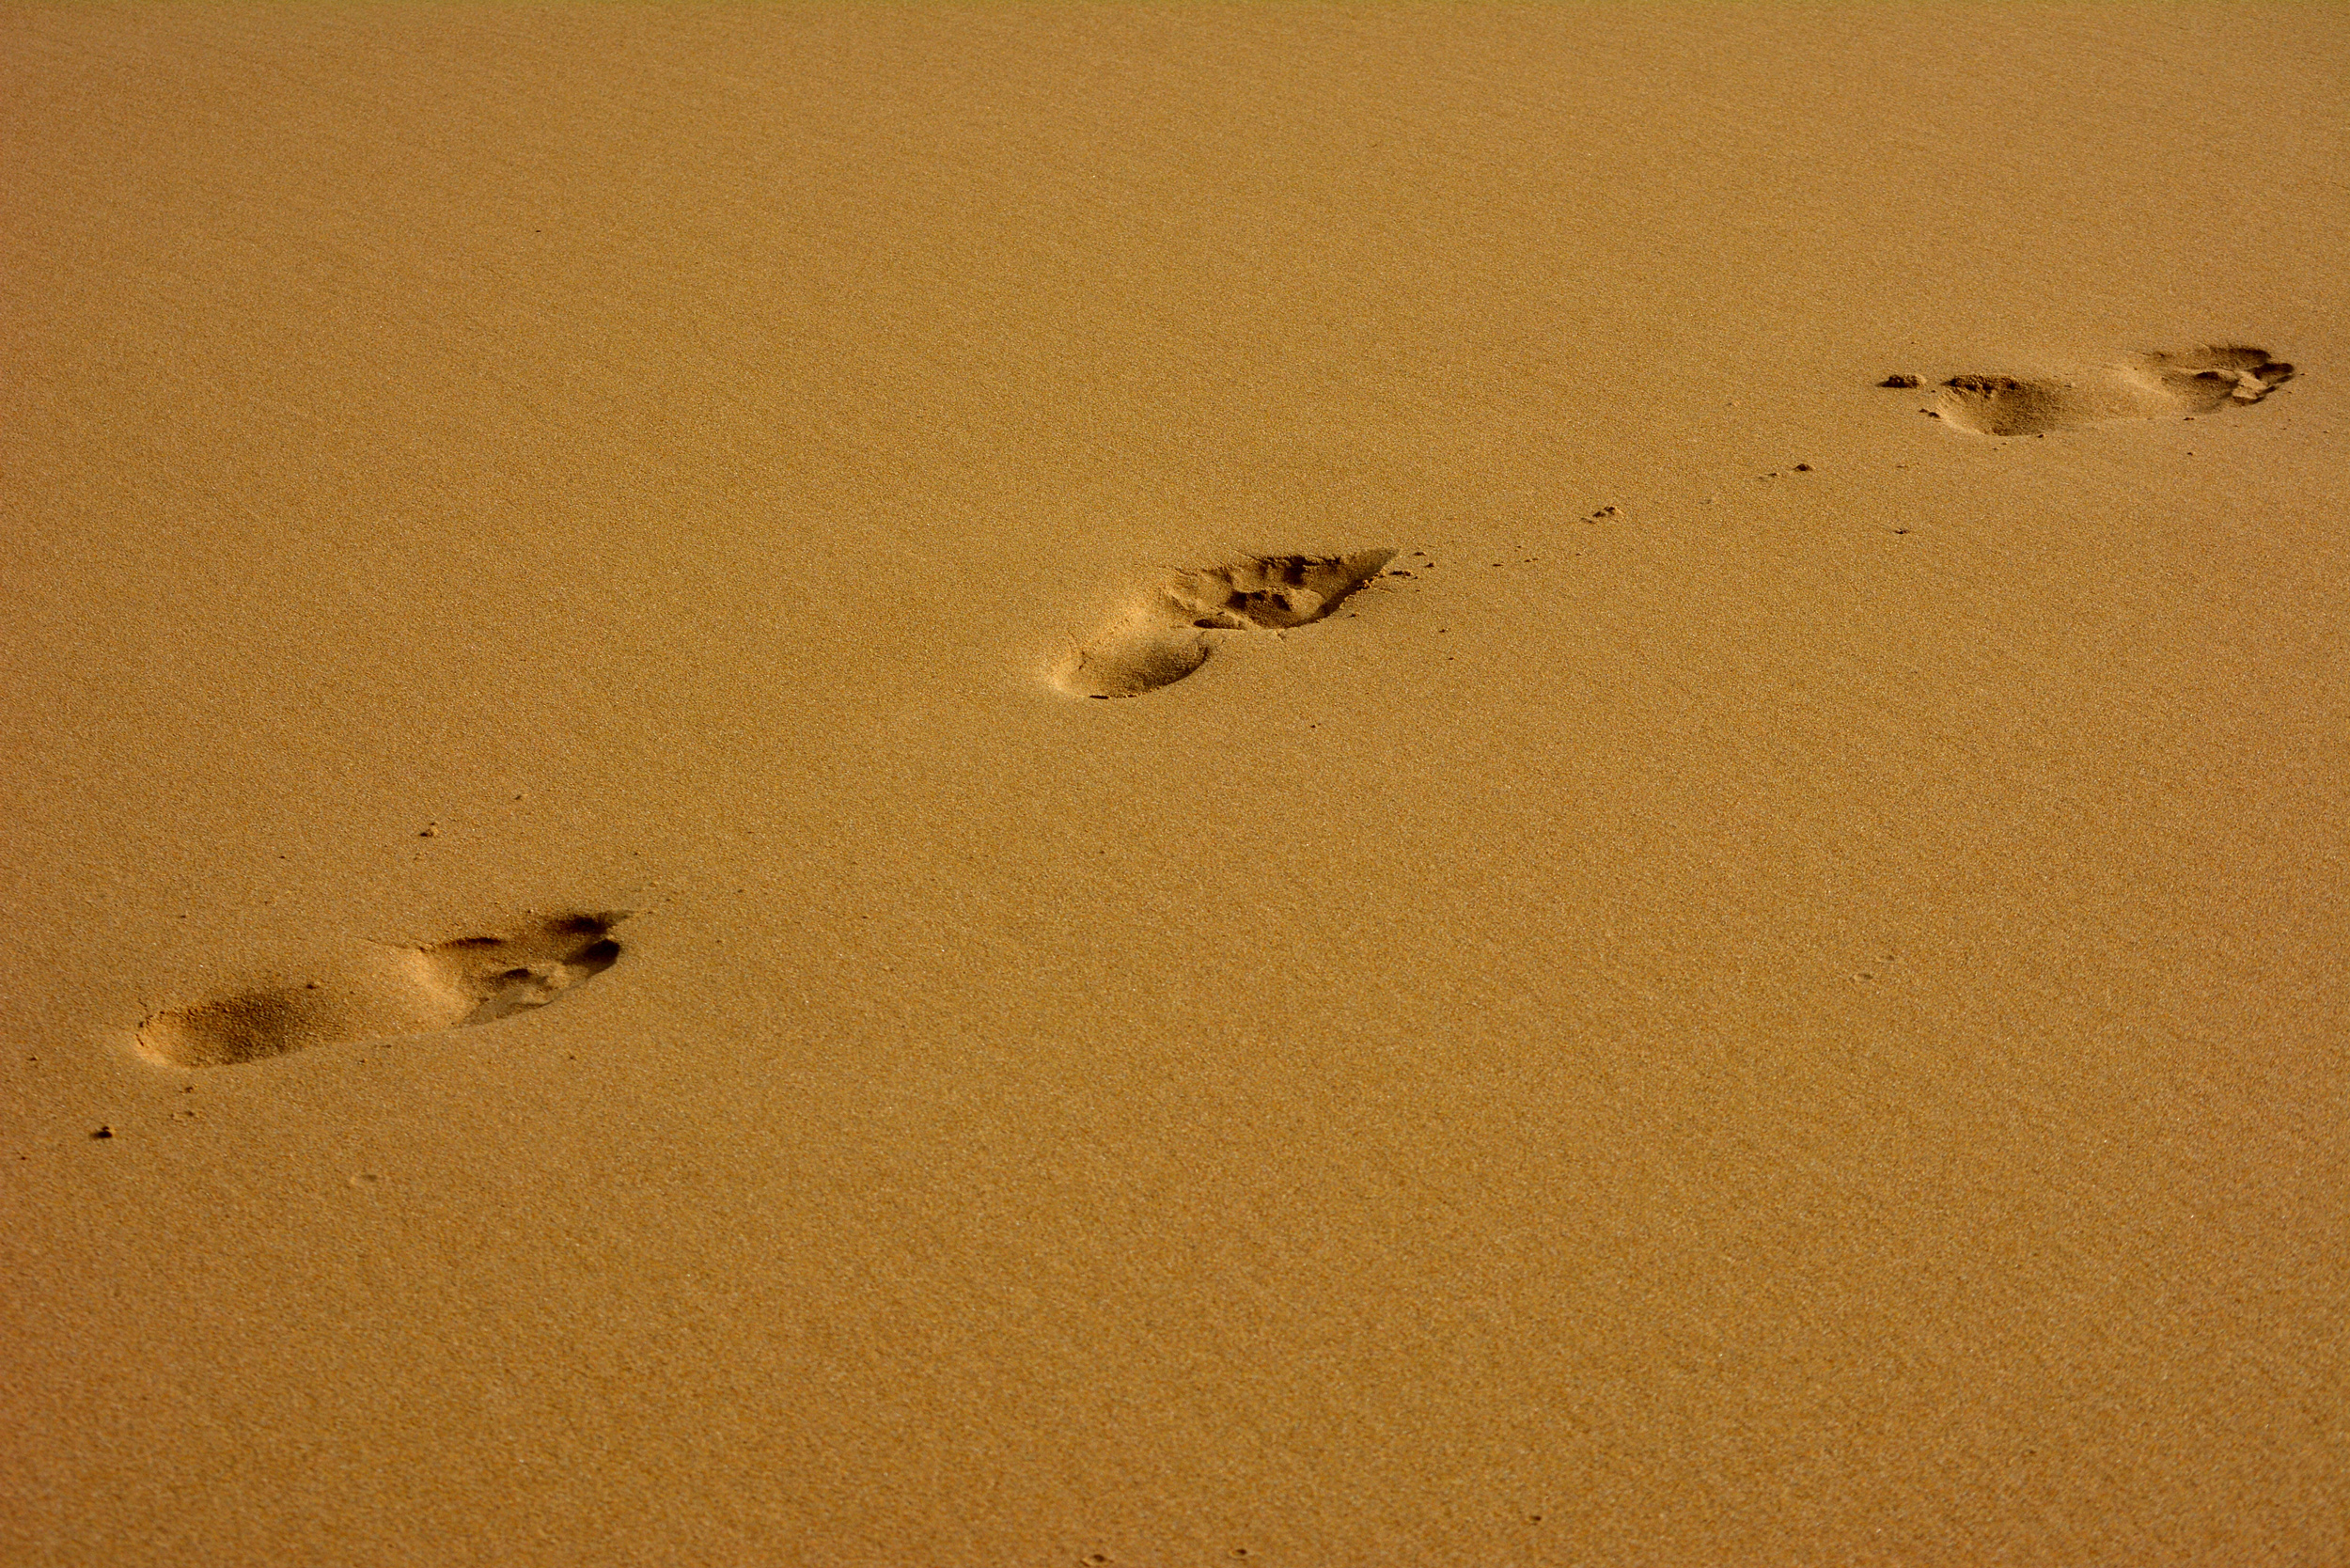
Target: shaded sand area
(1653, 952)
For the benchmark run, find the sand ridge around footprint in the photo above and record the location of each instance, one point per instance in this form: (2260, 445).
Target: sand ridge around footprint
(1168, 633)
(2143, 386)
(472, 979)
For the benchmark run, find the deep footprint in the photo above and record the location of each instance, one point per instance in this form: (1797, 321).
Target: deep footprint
(1166, 636)
(474, 980)
(2144, 387)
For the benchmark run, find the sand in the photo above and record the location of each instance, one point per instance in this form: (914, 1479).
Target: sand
(642, 926)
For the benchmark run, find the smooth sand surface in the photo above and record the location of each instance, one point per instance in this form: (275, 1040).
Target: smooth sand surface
(1770, 989)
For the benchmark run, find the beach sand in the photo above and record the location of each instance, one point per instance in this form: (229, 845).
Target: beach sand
(588, 980)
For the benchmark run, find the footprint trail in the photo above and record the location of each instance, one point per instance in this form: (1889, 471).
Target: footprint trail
(1167, 633)
(473, 980)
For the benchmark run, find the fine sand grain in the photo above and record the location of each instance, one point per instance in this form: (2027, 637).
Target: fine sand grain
(1703, 920)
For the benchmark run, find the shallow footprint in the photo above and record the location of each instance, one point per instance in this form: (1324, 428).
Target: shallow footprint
(474, 980)
(1165, 635)
(2144, 387)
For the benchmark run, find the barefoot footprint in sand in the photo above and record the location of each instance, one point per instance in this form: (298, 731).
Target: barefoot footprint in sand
(2143, 386)
(1166, 634)
(473, 980)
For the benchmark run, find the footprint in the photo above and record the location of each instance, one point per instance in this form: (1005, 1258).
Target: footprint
(1165, 634)
(474, 980)
(2143, 386)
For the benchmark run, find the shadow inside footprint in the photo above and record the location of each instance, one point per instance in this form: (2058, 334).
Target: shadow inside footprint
(474, 980)
(2144, 387)
(1164, 635)
(505, 975)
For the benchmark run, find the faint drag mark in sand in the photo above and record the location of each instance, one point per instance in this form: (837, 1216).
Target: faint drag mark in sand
(2143, 386)
(1166, 634)
(474, 980)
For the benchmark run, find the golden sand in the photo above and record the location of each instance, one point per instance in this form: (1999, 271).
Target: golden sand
(1765, 984)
